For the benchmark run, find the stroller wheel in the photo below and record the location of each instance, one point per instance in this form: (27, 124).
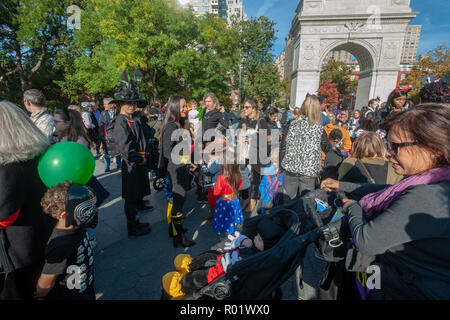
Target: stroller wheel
(159, 183)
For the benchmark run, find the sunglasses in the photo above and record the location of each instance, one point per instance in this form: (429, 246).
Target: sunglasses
(394, 147)
(247, 107)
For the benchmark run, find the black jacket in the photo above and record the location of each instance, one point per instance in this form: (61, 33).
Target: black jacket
(142, 118)
(130, 139)
(214, 119)
(21, 188)
(105, 120)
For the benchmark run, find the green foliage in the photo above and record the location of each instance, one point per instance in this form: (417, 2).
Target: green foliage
(435, 62)
(339, 73)
(177, 51)
(31, 33)
(256, 38)
(266, 84)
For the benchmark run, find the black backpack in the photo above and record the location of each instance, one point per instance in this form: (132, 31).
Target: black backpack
(111, 144)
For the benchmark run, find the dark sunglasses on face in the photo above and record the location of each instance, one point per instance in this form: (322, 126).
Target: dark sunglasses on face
(247, 107)
(394, 147)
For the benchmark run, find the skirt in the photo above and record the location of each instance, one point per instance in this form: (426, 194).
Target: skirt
(227, 215)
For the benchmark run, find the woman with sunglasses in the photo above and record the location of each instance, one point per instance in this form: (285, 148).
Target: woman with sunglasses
(247, 130)
(404, 229)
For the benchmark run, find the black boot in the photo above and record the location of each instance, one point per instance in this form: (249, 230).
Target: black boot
(136, 229)
(144, 205)
(179, 237)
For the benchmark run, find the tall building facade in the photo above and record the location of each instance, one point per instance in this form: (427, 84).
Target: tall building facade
(340, 55)
(224, 8)
(410, 44)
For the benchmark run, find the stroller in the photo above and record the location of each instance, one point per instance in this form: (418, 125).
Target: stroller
(260, 276)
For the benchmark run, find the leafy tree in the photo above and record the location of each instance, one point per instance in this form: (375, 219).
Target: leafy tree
(435, 62)
(266, 84)
(329, 90)
(256, 38)
(339, 73)
(31, 33)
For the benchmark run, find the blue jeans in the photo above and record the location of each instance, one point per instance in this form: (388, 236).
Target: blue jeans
(108, 160)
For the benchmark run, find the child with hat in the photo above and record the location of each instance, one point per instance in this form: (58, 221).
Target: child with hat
(68, 273)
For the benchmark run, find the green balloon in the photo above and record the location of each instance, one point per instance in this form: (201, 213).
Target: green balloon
(66, 161)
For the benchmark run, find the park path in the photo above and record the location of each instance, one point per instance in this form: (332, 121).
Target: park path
(132, 269)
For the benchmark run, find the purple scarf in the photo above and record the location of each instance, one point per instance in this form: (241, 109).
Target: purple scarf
(379, 201)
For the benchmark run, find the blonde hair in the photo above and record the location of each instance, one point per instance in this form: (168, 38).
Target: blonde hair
(368, 145)
(20, 139)
(213, 98)
(296, 113)
(311, 109)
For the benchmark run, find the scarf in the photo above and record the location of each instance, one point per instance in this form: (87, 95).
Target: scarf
(379, 201)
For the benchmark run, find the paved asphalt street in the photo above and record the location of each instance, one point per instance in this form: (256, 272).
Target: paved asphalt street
(132, 268)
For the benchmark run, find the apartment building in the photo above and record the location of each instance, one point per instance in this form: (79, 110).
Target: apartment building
(224, 8)
(410, 44)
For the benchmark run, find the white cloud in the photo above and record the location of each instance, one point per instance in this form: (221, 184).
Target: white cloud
(265, 7)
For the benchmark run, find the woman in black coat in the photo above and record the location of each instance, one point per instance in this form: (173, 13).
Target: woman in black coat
(24, 229)
(174, 159)
(132, 145)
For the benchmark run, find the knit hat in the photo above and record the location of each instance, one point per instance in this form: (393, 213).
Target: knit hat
(172, 284)
(182, 262)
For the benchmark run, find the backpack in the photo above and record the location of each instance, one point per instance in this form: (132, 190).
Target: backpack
(111, 145)
(268, 188)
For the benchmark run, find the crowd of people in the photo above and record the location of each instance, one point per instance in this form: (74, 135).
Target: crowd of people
(390, 159)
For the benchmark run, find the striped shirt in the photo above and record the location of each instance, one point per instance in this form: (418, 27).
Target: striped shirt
(44, 121)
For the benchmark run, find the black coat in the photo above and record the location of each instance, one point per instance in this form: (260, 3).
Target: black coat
(130, 140)
(212, 119)
(21, 188)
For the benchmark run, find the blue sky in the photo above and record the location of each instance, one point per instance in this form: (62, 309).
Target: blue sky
(433, 17)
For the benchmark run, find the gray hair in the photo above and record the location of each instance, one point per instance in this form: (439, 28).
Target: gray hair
(20, 139)
(107, 100)
(35, 96)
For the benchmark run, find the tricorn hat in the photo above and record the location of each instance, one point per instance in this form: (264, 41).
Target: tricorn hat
(125, 93)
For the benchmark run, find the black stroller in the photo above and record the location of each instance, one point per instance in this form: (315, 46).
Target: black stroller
(260, 276)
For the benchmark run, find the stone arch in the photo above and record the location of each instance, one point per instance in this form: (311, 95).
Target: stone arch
(366, 56)
(323, 25)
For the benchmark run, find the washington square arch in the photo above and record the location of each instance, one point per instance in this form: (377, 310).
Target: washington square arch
(371, 30)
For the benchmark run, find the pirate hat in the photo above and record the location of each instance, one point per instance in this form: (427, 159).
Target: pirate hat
(125, 93)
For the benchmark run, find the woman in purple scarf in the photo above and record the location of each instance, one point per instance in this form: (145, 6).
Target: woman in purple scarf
(406, 227)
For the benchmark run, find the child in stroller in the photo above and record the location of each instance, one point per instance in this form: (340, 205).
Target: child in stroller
(195, 274)
(261, 274)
